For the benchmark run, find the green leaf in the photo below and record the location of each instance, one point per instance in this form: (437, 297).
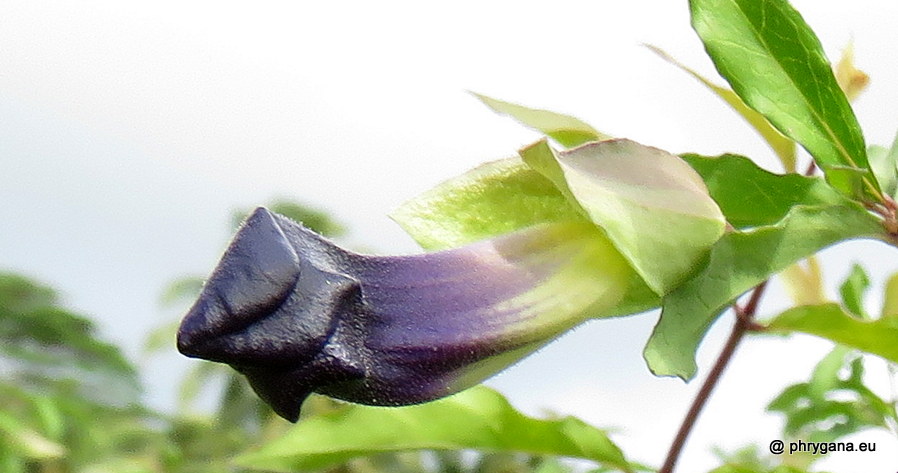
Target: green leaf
(494, 199)
(883, 165)
(123, 465)
(49, 416)
(478, 418)
(26, 441)
(825, 376)
(44, 345)
(738, 262)
(830, 321)
(750, 196)
(890, 298)
(749, 457)
(10, 462)
(834, 402)
(773, 60)
(735, 469)
(852, 291)
(782, 146)
(566, 130)
(551, 466)
(240, 406)
(883, 161)
(652, 205)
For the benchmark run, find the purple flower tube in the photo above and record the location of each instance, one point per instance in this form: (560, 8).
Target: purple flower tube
(297, 314)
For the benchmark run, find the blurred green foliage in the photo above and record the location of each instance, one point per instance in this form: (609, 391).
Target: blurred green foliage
(72, 403)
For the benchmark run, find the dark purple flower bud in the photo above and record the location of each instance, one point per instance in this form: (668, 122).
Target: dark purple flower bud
(296, 314)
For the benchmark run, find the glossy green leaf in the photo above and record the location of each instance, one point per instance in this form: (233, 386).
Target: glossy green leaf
(479, 419)
(494, 199)
(830, 321)
(750, 196)
(781, 145)
(852, 291)
(568, 131)
(738, 262)
(652, 204)
(773, 60)
(849, 180)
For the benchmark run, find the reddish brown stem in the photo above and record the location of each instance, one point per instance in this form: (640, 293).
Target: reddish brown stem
(742, 325)
(887, 208)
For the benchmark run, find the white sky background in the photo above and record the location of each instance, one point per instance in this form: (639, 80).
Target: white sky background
(128, 133)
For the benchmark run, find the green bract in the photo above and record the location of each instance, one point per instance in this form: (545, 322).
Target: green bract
(653, 206)
(738, 262)
(493, 199)
(783, 218)
(501, 197)
(568, 131)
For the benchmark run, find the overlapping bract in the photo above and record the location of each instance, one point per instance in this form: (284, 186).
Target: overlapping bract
(297, 314)
(607, 228)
